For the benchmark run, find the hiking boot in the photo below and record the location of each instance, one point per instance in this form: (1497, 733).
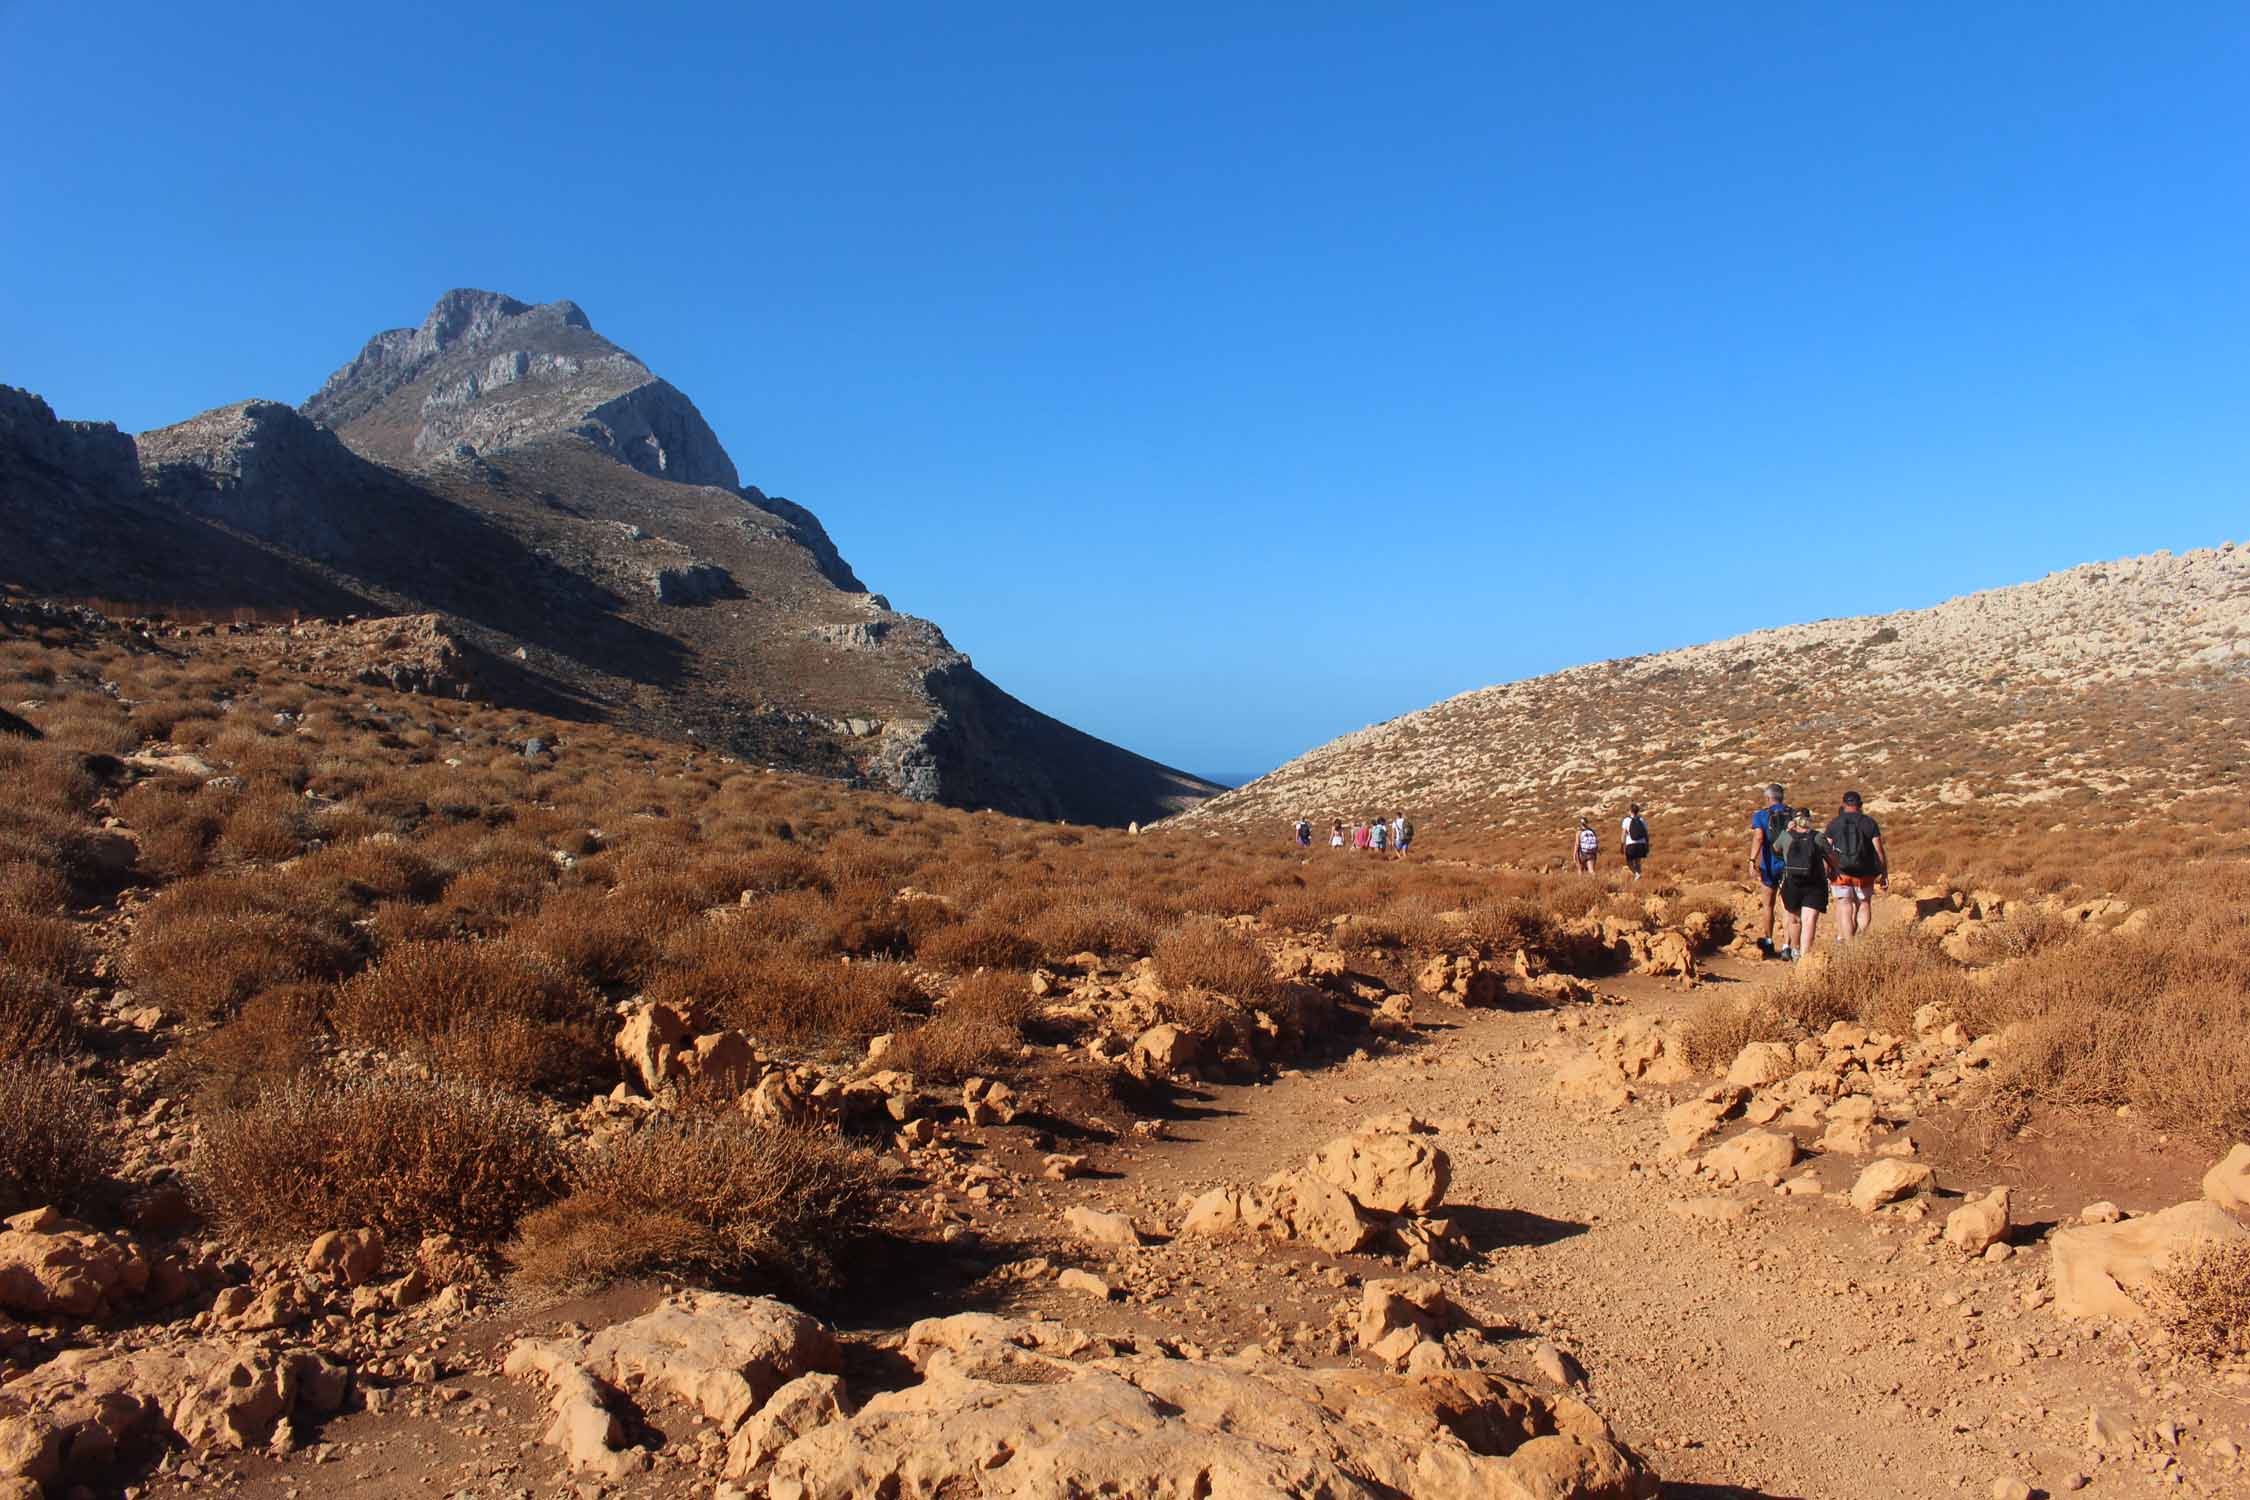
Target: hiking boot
(1765, 947)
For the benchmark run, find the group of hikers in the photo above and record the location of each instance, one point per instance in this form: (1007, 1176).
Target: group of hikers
(1844, 862)
(1393, 836)
(1586, 845)
(1805, 869)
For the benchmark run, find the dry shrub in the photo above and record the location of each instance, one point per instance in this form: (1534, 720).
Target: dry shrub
(977, 943)
(35, 1016)
(977, 1030)
(1411, 922)
(176, 828)
(787, 998)
(2025, 934)
(34, 886)
(1881, 978)
(709, 1195)
(410, 1156)
(263, 828)
(376, 869)
(205, 965)
(48, 946)
(1108, 925)
(2203, 1300)
(52, 1144)
(273, 1038)
(1508, 923)
(605, 939)
(1206, 954)
(496, 1011)
(1722, 1025)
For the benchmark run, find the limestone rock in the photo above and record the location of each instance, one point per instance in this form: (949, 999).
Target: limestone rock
(650, 1042)
(1687, 1125)
(797, 1408)
(581, 1424)
(720, 1353)
(349, 1257)
(1387, 1173)
(1888, 1181)
(1753, 1156)
(1761, 1063)
(1309, 1207)
(2228, 1182)
(1008, 1420)
(53, 1267)
(1976, 1227)
(2104, 1270)
(1097, 1227)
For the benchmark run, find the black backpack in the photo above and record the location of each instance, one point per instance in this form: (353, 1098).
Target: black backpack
(1636, 832)
(1803, 858)
(1855, 850)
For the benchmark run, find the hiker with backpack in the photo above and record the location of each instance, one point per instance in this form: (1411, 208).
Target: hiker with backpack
(1587, 845)
(1767, 825)
(1808, 862)
(1378, 835)
(1402, 834)
(1862, 868)
(1303, 831)
(1636, 840)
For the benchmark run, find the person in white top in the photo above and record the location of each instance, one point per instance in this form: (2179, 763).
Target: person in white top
(1587, 845)
(1635, 830)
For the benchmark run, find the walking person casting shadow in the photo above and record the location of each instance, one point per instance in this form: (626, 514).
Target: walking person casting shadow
(1808, 863)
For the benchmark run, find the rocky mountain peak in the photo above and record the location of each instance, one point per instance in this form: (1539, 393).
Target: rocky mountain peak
(489, 372)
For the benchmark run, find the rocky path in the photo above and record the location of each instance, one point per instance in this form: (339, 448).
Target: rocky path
(1751, 1343)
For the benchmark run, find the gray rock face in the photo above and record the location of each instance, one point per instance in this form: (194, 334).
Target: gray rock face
(694, 583)
(94, 455)
(494, 374)
(259, 467)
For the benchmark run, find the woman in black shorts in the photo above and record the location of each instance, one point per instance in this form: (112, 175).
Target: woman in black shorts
(1807, 864)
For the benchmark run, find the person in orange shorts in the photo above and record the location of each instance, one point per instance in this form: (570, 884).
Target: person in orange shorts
(1862, 868)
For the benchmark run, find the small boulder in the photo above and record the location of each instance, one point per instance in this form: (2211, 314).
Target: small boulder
(1888, 1181)
(1098, 1227)
(349, 1257)
(2228, 1182)
(1761, 1063)
(1753, 1156)
(1976, 1227)
(1386, 1172)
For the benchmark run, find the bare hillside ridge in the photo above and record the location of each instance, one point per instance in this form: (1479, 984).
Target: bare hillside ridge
(506, 466)
(2094, 694)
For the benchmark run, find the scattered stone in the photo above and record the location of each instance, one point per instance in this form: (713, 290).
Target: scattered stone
(1075, 1280)
(1753, 1156)
(1097, 1227)
(1888, 1181)
(1978, 1226)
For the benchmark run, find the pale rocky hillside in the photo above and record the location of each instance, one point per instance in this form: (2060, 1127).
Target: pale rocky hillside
(2100, 692)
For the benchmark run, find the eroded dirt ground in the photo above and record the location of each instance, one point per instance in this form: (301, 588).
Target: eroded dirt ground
(1751, 1343)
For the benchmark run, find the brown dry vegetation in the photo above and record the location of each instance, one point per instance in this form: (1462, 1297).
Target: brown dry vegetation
(709, 1195)
(388, 944)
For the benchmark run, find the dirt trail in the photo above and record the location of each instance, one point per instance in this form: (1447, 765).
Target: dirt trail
(1752, 1344)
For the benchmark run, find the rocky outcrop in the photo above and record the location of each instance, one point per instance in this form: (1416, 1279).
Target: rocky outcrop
(1029, 1410)
(93, 455)
(491, 374)
(260, 467)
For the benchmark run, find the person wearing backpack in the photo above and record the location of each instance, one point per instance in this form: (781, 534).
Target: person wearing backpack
(1808, 862)
(1588, 845)
(1378, 835)
(1767, 825)
(1402, 834)
(1862, 867)
(1304, 833)
(1636, 840)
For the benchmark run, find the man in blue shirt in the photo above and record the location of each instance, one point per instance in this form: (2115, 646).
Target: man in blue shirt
(1766, 828)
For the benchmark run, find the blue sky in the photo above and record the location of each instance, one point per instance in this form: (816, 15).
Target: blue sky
(1227, 377)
